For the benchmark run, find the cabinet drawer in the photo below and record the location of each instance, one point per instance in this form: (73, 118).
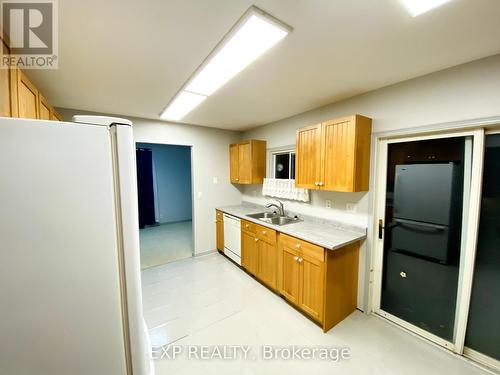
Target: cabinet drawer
(219, 215)
(248, 226)
(265, 234)
(304, 248)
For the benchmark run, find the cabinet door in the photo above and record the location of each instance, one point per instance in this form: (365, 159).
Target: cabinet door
(290, 287)
(308, 157)
(234, 163)
(27, 97)
(245, 163)
(43, 108)
(249, 252)
(312, 290)
(220, 235)
(338, 150)
(54, 116)
(267, 270)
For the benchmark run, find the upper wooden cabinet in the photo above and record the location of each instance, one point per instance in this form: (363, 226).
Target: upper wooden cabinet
(54, 116)
(334, 155)
(27, 97)
(44, 108)
(19, 97)
(308, 157)
(247, 162)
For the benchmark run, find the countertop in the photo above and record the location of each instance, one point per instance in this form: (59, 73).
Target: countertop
(325, 233)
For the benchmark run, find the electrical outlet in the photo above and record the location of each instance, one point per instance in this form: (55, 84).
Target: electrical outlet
(351, 207)
(328, 203)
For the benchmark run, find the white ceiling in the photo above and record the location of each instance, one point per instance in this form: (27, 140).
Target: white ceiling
(130, 57)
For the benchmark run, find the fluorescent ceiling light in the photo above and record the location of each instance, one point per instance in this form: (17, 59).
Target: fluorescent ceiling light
(253, 34)
(418, 7)
(254, 37)
(183, 103)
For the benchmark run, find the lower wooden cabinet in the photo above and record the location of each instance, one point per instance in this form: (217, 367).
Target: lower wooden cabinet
(322, 283)
(303, 274)
(267, 257)
(219, 230)
(311, 298)
(290, 286)
(249, 251)
(259, 253)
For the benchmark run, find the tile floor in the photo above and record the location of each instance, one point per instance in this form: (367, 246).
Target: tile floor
(210, 301)
(166, 243)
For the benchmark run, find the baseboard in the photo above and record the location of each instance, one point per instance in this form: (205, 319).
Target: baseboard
(205, 253)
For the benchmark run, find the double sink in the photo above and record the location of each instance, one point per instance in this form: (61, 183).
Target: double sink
(274, 218)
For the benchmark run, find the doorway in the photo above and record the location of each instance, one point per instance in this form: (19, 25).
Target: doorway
(422, 239)
(436, 259)
(164, 186)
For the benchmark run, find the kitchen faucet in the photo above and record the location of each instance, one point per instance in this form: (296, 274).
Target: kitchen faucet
(281, 208)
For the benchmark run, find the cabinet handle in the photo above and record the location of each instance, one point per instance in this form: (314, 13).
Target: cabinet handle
(298, 246)
(296, 258)
(247, 226)
(300, 260)
(264, 232)
(321, 184)
(402, 274)
(256, 239)
(316, 183)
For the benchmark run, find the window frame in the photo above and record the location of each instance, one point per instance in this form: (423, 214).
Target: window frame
(282, 151)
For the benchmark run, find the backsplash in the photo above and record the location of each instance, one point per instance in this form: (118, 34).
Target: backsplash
(317, 205)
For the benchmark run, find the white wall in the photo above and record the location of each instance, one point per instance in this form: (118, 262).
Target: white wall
(209, 159)
(172, 182)
(468, 91)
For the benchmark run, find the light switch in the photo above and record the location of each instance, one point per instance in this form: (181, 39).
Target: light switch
(199, 195)
(328, 203)
(215, 180)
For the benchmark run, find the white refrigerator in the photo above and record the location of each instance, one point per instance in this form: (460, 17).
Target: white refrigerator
(70, 291)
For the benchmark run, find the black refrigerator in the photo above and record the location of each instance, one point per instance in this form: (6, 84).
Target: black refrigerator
(423, 246)
(427, 205)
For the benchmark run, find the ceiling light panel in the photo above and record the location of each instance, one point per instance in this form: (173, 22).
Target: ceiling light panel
(418, 7)
(255, 36)
(255, 33)
(183, 103)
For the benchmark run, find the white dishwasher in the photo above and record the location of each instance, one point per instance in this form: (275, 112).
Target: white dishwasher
(232, 238)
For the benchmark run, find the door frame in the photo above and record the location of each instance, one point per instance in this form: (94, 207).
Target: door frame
(469, 235)
(466, 351)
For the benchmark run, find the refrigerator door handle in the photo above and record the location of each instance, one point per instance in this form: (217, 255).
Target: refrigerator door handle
(417, 225)
(381, 228)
